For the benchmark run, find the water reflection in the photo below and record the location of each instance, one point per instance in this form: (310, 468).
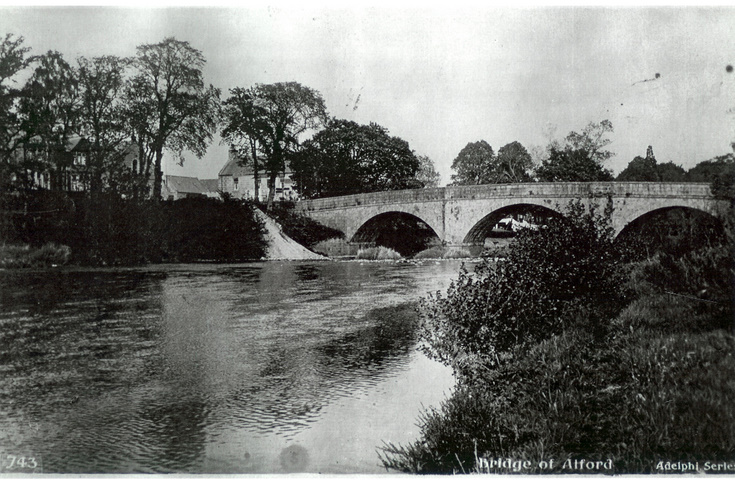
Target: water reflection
(167, 369)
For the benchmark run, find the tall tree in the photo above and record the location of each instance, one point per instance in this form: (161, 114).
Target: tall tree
(475, 164)
(168, 105)
(271, 119)
(580, 158)
(513, 164)
(13, 60)
(49, 110)
(347, 158)
(244, 124)
(572, 166)
(101, 82)
(641, 169)
(592, 140)
(427, 175)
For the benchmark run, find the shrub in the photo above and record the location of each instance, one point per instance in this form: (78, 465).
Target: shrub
(23, 256)
(567, 272)
(378, 253)
(302, 229)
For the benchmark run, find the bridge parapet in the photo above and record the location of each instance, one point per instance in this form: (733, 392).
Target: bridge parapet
(419, 195)
(526, 190)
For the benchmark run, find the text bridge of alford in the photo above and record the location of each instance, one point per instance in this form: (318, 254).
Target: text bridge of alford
(463, 214)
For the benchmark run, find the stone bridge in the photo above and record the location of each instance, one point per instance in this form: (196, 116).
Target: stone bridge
(464, 214)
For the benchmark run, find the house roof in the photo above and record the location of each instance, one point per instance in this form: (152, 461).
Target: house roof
(175, 183)
(232, 168)
(212, 185)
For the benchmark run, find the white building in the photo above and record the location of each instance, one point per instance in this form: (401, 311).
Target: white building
(239, 182)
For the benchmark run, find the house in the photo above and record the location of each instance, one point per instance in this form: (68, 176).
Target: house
(239, 182)
(66, 168)
(175, 187)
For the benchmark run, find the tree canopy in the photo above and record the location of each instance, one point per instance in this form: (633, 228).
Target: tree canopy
(347, 158)
(474, 164)
(168, 105)
(426, 175)
(513, 164)
(648, 170)
(572, 166)
(13, 60)
(269, 119)
(580, 158)
(101, 122)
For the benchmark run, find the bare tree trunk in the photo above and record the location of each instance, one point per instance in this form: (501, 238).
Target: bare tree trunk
(271, 189)
(157, 175)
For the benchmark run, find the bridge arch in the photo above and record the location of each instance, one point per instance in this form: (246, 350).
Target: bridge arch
(404, 232)
(673, 227)
(531, 212)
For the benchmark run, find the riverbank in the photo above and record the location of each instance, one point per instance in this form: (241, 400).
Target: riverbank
(110, 231)
(623, 381)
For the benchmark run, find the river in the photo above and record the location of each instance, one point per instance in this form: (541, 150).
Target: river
(266, 367)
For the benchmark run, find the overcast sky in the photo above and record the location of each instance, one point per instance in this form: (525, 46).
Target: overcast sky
(442, 77)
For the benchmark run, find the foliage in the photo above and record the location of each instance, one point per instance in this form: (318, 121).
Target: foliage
(49, 113)
(474, 164)
(348, 158)
(23, 256)
(101, 82)
(648, 170)
(636, 398)
(640, 170)
(13, 60)
(108, 230)
(633, 393)
(670, 172)
(720, 172)
(302, 229)
(426, 174)
(580, 157)
(207, 229)
(592, 140)
(674, 231)
(572, 166)
(513, 164)
(168, 106)
(269, 119)
(551, 276)
(378, 253)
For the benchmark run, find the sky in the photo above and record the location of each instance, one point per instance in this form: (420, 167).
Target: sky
(441, 77)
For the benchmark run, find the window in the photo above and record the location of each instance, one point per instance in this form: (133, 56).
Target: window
(80, 158)
(237, 186)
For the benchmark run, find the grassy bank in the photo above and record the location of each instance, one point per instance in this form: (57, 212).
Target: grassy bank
(25, 256)
(631, 374)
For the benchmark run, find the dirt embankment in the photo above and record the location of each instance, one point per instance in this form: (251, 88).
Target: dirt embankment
(282, 247)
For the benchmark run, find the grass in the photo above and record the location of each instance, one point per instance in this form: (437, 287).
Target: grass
(655, 385)
(25, 256)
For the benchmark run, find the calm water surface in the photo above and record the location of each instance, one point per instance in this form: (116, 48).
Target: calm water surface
(265, 368)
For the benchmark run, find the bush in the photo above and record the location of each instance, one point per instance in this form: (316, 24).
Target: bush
(654, 384)
(108, 230)
(23, 256)
(378, 253)
(300, 228)
(569, 271)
